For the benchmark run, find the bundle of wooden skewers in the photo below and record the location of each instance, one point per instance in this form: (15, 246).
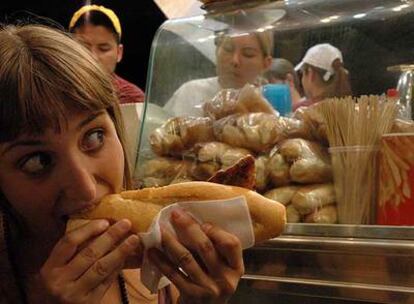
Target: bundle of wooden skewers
(354, 127)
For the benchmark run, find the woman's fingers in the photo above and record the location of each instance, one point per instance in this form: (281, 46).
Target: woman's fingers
(180, 280)
(92, 253)
(227, 244)
(67, 247)
(101, 289)
(106, 266)
(193, 237)
(182, 258)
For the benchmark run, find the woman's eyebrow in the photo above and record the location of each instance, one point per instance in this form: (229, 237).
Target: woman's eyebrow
(21, 143)
(90, 118)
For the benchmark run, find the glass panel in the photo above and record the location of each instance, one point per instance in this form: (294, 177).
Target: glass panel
(375, 38)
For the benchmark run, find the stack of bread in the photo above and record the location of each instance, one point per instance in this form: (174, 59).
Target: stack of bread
(291, 159)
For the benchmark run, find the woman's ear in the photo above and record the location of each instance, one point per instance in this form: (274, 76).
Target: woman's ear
(120, 53)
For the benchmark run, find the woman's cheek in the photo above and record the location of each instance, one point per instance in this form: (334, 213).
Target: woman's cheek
(115, 163)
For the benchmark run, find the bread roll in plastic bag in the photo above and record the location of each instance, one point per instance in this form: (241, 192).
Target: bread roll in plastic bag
(309, 198)
(258, 132)
(249, 99)
(219, 152)
(181, 133)
(282, 195)
(314, 127)
(162, 171)
(292, 215)
(262, 174)
(310, 161)
(324, 215)
(278, 168)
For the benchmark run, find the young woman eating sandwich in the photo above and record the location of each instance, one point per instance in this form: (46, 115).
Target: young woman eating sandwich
(61, 151)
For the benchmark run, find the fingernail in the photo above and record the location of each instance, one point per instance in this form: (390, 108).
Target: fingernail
(133, 241)
(103, 224)
(206, 227)
(177, 214)
(124, 225)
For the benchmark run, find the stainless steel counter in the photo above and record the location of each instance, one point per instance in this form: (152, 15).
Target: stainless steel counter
(331, 264)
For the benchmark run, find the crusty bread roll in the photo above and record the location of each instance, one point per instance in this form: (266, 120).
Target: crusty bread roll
(141, 206)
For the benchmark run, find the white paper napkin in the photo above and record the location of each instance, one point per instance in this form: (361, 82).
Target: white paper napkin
(231, 215)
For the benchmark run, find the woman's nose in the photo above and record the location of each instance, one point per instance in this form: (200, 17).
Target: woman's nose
(80, 182)
(235, 58)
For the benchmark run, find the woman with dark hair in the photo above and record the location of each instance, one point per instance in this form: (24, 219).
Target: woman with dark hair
(99, 29)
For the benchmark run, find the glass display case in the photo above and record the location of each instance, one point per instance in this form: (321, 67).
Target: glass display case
(310, 262)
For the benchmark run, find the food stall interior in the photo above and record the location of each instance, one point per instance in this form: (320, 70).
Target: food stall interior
(311, 262)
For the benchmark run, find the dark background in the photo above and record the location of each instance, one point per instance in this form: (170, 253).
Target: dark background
(139, 20)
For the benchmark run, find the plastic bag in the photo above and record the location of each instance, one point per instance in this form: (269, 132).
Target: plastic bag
(310, 162)
(230, 101)
(181, 133)
(222, 153)
(258, 132)
(309, 198)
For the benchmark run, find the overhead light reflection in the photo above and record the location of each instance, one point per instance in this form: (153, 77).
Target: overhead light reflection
(400, 7)
(359, 16)
(329, 19)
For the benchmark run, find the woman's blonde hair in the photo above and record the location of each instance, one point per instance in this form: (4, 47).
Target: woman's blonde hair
(265, 39)
(44, 73)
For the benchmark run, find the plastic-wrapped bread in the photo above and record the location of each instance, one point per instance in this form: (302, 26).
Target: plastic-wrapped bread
(278, 170)
(162, 171)
(262, 174)
(309, 198)
(181, 133)
(141, 206)
(203, 171)
(310, 170)
(310, 161)
(314, 126)
(219, 152)
(292, 215)
(282, 195)
(324, 215)
(230, 101)
(258, 132)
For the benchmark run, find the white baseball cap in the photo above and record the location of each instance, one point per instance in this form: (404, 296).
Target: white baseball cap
(321, 56)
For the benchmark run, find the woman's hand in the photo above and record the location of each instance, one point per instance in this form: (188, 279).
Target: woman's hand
(86, 261)
(210, 257)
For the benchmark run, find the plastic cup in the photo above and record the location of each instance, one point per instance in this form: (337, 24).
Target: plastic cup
(278, 95)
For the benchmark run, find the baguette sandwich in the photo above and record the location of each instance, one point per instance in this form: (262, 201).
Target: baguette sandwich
(141, 206)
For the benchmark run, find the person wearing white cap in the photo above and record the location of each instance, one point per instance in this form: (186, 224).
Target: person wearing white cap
(323, 74)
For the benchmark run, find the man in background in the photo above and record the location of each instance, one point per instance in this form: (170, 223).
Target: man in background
(98, 28)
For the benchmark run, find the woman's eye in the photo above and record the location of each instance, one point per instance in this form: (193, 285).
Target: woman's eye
(228, 47)
(93, 140)
(104, 49)
(249, 54)
(36, 164)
